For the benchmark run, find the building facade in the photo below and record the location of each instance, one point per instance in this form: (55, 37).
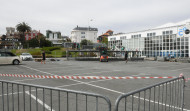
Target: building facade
(54, 37)
(104, 36)
(80, 33)
(32, 34)
(163, 41)
(10, 40)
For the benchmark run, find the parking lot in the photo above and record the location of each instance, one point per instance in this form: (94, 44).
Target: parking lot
(110, 88)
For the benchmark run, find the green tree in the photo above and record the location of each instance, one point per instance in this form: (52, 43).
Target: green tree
(33, 43)
(105, 40)
(22, 28)
(39, 41)
(39, 38)
(45, 43)
(85, 42)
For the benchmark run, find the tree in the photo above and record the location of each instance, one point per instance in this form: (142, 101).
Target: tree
(39, 41)
(33, 43)
(85, 42)
(45, 43)
(105, 40)
(39, 37)
(3, 42)
(22, 28)
(68, 40)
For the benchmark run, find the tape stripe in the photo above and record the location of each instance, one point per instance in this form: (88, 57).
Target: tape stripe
(83, 77)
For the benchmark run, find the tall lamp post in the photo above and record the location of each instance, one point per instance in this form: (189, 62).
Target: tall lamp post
(89, 20)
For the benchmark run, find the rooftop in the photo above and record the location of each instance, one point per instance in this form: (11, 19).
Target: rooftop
(85, 28)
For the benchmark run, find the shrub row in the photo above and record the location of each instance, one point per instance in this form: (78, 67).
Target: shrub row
(47, 49)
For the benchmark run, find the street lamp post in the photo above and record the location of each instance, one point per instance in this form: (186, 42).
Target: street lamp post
(88, 30)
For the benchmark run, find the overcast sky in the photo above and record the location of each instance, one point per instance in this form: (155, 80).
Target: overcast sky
(117, 15)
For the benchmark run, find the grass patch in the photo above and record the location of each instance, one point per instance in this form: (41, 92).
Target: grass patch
(50, 51)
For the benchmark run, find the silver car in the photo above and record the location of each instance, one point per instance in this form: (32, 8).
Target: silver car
(9, 58)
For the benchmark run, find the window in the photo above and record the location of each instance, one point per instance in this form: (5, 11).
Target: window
(136, 36)
(122, 37)
(2, 54)
(82, 36)
(168, 32)
(163, 32)
(9, 54)
(112, 39)
(82, 32)
(151, 34)
(171, 32)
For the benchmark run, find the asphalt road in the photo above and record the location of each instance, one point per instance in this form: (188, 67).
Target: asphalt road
(109, 88)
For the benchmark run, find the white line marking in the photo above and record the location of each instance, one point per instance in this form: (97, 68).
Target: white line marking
(161, 103)
(93, 72)
(39, 101)
(28, 79)
(37, 70)
(180, 69)
(160, 66)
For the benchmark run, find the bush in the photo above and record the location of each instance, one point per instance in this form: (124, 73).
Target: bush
(35, 52)
(47, 49)
(64, 54)
(56, 53)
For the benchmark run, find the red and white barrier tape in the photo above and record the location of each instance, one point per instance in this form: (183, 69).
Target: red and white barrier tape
(82, 77)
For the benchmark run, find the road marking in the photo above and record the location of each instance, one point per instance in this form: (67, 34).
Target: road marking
(161, 66)
(180, 69)
(28, 79)
(96, 72)
(37, 70)
(160, 103)
(39, 101)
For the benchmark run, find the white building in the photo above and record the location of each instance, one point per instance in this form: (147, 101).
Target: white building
(10, 31)
(54, 37)
(167, 40)
(80, 33)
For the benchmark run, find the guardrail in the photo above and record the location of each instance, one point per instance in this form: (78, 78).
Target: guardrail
(95, 54)
(164, 96)
(27, 97)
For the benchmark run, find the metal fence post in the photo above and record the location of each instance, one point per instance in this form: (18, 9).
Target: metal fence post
(183, 90)
(67, 52)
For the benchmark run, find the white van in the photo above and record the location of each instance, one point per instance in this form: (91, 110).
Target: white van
(9, 58)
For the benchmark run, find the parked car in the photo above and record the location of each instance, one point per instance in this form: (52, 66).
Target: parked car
(9, 58)
(26, 56)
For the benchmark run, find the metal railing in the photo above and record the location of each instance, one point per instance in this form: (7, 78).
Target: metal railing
(164, 96)
(95, 54)
(16, 96)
